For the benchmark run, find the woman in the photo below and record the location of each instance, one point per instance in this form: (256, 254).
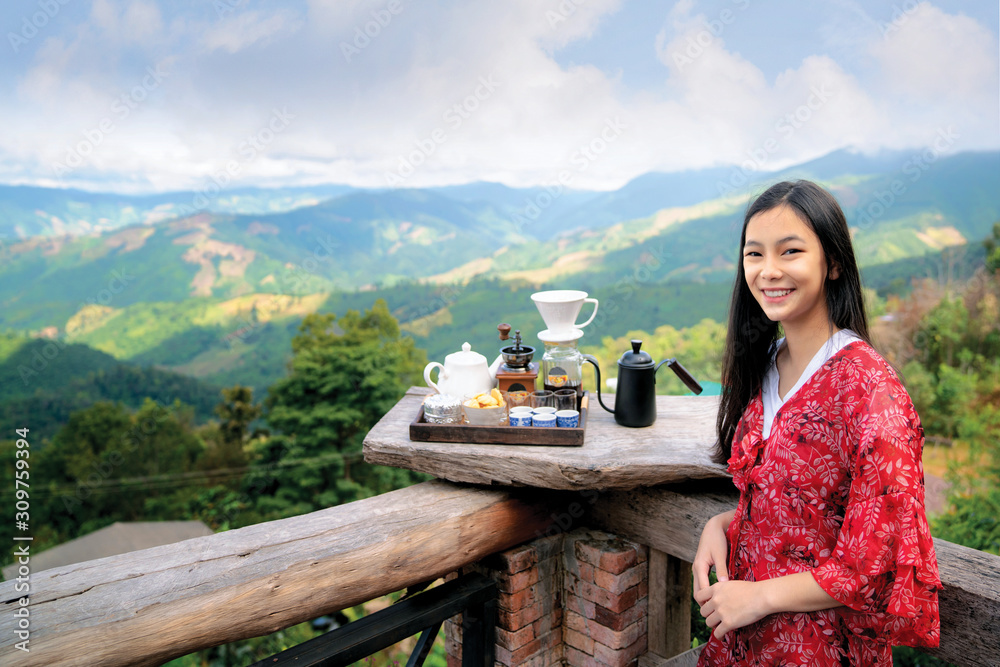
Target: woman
(828, 558)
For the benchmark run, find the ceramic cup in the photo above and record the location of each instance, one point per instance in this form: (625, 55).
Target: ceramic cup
(545, 410)
(520, 418)
(559, 309)
(546, 420)
(568, 418)
(521, 409)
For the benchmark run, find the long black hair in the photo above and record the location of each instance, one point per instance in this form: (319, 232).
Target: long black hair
(751, 333)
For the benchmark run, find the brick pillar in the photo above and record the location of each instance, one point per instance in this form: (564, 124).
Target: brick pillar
(529, 609)
(578, 599)
(606, 599)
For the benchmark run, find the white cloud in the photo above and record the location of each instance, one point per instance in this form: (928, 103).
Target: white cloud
(135, 21)
(141, 21)
(928, 53)
(413, 78)
(249, 28)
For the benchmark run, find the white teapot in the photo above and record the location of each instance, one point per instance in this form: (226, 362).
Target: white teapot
(464, 373)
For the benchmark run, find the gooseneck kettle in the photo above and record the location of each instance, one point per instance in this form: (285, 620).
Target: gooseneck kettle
(635, 399)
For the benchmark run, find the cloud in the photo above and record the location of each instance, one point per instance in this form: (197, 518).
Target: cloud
(724, 110)
(927, 53)
(474, 90)
(249, 28)
(136, 21)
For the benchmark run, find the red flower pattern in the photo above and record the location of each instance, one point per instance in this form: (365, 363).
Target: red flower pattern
(836, 490)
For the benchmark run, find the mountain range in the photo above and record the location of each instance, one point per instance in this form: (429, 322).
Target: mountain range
(216, 291)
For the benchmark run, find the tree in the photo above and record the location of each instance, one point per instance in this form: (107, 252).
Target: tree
(344, 375)
(107, 463)
(226, 441)
(992, 244)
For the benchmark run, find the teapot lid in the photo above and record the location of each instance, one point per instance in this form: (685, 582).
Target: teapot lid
(636, 358)
(465, 358)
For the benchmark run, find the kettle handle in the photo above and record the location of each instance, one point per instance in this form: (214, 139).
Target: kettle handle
(682, 373)
(427, 374)
(597, 370)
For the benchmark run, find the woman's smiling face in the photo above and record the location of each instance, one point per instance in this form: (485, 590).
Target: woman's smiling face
(785, 268)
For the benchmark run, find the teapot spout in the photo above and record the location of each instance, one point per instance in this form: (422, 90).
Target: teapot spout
(494, 367)
(597, 371)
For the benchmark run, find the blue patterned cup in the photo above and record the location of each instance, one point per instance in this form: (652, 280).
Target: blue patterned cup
(544, 420)
(568, 418)
(520, 419)
(544, 410)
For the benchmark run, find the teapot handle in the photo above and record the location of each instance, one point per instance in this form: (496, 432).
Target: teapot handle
(427, 375)
(682, 373)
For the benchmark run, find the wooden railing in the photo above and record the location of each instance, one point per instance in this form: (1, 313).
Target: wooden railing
(670, 519)
(150, 606)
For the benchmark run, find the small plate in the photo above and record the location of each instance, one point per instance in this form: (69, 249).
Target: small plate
(548, 336)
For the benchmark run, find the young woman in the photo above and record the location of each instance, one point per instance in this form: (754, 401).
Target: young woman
(828, 558)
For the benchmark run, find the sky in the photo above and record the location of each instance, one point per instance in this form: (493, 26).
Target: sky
(154, 95)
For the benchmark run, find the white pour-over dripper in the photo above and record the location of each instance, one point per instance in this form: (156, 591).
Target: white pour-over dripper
(560, 308)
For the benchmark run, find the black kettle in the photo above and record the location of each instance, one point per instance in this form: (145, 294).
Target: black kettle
(635, 399)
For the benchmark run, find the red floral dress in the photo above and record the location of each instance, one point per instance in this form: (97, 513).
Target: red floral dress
(837, 490)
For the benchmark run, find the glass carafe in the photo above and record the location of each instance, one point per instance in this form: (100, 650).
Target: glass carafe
(562, 366)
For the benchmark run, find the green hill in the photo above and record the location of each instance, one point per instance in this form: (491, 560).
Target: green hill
(43, 381)
(27, 211)
(219, 296)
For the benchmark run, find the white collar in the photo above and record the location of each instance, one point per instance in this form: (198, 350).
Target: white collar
(769, 388)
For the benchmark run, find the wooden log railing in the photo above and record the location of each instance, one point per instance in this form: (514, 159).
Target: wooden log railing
(670, 519)
(150, 606)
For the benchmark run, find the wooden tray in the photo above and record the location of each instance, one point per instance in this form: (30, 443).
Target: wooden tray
(551, 436)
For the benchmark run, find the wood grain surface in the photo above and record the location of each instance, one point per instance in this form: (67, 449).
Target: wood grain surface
(149, 606)
(676, 447)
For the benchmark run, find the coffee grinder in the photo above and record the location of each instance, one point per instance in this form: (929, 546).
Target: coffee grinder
(517, 372)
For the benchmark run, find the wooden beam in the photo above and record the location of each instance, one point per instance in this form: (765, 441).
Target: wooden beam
(670, 592)
(671, 519)
(150, 606)
(969, 605)
(668, 518)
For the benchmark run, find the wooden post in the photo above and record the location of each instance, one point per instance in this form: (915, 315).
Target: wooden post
(669, 604)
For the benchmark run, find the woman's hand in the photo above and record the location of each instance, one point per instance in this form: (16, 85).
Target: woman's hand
(728, 605)
(713, 550)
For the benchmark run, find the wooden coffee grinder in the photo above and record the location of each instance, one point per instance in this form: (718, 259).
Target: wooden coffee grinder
(517, 372)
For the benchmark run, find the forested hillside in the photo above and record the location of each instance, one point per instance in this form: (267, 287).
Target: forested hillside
(43, 382)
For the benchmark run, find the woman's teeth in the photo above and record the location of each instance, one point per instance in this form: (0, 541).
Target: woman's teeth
(775, 293)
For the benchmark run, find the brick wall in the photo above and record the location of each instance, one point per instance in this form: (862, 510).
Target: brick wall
(578, 599)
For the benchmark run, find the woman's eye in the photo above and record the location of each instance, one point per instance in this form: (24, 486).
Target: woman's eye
(791, 250)
(752, 253)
